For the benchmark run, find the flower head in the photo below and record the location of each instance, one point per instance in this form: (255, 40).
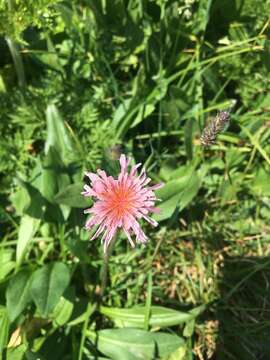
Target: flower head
(120, 203)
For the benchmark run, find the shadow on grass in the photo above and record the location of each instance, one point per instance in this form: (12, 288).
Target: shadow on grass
(243, 312)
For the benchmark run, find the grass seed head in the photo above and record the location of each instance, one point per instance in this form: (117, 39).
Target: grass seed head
(214, 128)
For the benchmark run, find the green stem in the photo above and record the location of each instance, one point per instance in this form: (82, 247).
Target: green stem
(104, 275)
(105, 268)
(89, 311)
(92, 308)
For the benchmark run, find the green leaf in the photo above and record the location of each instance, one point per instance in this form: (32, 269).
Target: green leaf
(28, 200)
(202, 16)
(4, 328)
(143, 113)
(134, 344)
(6, 262)
(54, 177)
(188, 132)
(179, 354)
(190, 191)
(260, 183)
(49, 58)
(72, 196)
(20, 200)
(48, 285)
(53, 214)
(189, 328)
(121, 111)
(27, 230)
(159, 316)
(64, 308)
(2, 85)
(177, 193)
(54, 345)
(79, 249)
(59, 136)
(131, 113)
(18, 294)
(82, 309)
(17, 353)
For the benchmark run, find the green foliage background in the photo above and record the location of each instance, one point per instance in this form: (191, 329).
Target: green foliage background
(82, 81)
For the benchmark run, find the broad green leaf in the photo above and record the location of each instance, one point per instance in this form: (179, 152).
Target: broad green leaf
(53, 214)
(71, 196)
(177, 193)
(20, 200)
(18, 294)
(79, 249)
(190, 191)
(50, 57)
(6, 262)
(159, 316)
(134, 344)
(53, 177)
(49, 176)
(28, 200)
(59, 136)
(189, 328)
(48, 284)
(37, 203)
(17, 353)
(64, 308)
(27, 230)
(4, 327)
(53, 346)
(179, 354)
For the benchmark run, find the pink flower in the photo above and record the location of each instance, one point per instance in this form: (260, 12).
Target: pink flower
(120, 203)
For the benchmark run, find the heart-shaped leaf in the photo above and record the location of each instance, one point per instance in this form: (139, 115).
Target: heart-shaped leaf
(18, 294)
(27, 230)
(48, 285)
(71, 196)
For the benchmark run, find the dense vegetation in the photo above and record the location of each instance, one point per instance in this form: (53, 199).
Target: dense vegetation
(83, 81)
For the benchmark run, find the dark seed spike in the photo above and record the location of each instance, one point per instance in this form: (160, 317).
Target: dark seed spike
(214, 128)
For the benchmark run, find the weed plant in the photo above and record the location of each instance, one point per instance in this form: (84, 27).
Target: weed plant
(82, 82)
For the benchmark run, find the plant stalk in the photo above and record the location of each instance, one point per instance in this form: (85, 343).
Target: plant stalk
(91, 309)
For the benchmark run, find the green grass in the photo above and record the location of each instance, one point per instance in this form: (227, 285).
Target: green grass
(82, 82)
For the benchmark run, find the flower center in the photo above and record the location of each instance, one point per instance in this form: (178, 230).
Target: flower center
(120, 201)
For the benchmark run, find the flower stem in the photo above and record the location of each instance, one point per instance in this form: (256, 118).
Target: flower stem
(104, 275)
(105, 268)
(91, 309)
